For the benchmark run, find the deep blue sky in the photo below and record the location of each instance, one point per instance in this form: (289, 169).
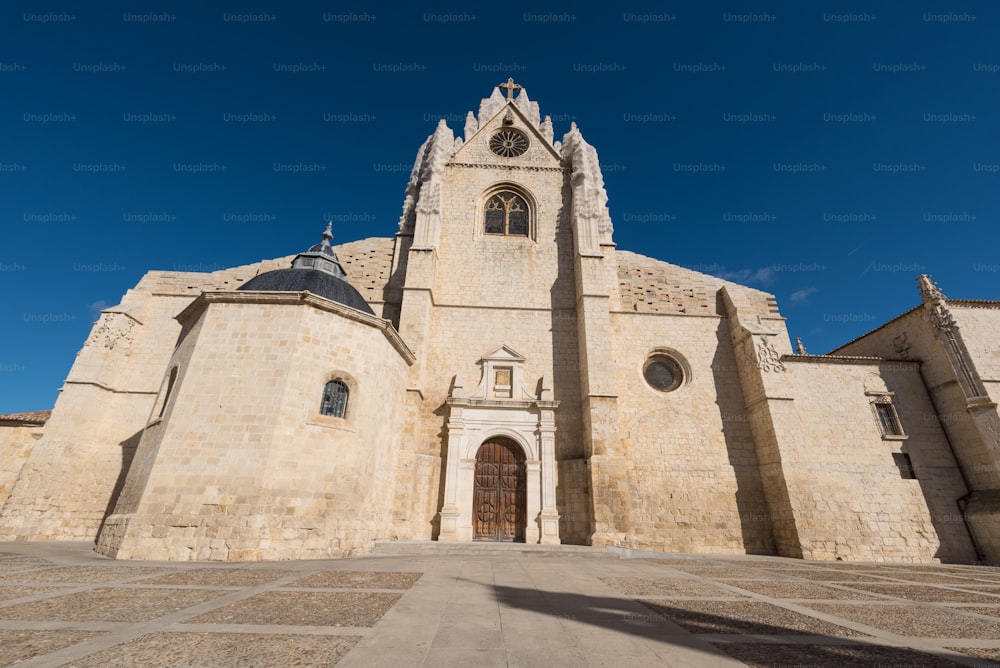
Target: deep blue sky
(880, 88)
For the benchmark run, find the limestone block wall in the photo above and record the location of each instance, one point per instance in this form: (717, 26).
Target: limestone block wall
(16, 442)
(648, 285)
(504, 271)
(694, 478)
(242, 466)
(979, 323)
(849, 498)
(574, 500)
(608, 454)
(911, 336)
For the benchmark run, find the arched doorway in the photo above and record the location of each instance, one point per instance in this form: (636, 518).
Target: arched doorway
(499, 497)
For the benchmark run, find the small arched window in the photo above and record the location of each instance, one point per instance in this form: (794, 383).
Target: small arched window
(507, 213)
(334, 399)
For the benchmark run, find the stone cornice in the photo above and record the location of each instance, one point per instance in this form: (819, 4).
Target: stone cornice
(306, 298)
(851, 359)
(668, 314)
(468, 402)
(975, 303)
(525, 168)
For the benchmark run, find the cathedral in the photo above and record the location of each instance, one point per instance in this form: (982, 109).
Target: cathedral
(501, 371)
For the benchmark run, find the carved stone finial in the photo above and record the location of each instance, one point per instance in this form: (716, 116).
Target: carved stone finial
(510, 87)
(929, 290)
(936, 304)
(471, 125)
(799, 348)
(328, 233)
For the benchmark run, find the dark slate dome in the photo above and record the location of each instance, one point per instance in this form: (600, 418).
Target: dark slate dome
(316, 282)
(317, 270)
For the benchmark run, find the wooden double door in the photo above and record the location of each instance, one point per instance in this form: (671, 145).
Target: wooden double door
(499, 496)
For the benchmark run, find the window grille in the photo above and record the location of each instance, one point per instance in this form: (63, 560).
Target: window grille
(507, 213)
(885, 414)
(334, 399)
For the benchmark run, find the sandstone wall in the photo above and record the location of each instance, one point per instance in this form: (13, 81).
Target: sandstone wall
(849, 498)
(694, 478)
(243, 467)
(16, 442)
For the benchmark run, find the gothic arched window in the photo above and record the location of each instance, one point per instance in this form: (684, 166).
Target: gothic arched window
(334, 399)
(507, 213)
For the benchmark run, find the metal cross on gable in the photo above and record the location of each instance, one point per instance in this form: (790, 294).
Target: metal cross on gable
(510, 87)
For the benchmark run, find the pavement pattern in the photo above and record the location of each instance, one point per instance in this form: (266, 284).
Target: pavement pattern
(429, 604)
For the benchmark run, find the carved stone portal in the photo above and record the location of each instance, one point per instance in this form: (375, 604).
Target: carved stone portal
(501, 407)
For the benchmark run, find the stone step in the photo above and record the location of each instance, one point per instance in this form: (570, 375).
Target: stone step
(486, 548)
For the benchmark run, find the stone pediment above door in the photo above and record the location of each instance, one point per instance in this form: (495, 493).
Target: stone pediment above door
(502, 378)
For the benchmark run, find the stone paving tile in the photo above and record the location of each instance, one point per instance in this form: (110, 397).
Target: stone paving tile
(222, 650)
(83, 574)
(977, 586)
(768, 565)
(844, 566)
(989, 653)
(641, 587)
(935, 578)
(927, 568)
(7, 557)
(926, 593)
(719, 573)
(832, 576)
(913, 620)
(980, 610)
(219, 576)
(17, 645)
(743, 617)
(9, 592)
(358, 580)
(304, 608)
(985, 579)
(786, 589)
(110, 605)
(766, 655)
(13, 566)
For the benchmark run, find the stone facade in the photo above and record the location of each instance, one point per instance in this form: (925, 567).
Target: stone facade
(647, 405)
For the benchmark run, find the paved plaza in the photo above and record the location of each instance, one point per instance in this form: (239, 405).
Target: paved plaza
(430, 604)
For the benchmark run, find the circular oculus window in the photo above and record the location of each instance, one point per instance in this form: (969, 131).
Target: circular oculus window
(663, 373)
(508, 143)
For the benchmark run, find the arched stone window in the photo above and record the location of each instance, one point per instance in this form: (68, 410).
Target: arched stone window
(334, 401)
(507, 213)
(886, 416)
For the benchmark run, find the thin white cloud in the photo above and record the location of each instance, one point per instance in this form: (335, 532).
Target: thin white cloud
(801, 296)
(762, 276)
(97, 307)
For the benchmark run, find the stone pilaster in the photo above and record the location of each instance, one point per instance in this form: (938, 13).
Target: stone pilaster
(980, 455)
(768, 404)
